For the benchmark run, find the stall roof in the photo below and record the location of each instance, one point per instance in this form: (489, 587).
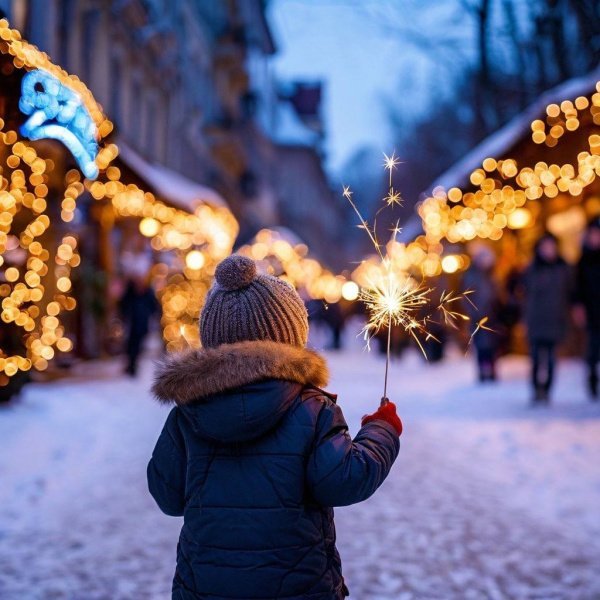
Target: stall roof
(498, 144)
(170, 185)
(501, 142)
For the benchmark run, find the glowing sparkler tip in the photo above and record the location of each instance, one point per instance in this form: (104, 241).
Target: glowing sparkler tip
(390, 162)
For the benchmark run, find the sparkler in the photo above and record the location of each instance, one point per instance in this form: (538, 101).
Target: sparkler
(397, 299)
(392, 302)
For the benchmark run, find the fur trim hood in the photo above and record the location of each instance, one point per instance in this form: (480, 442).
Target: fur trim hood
(188, 377)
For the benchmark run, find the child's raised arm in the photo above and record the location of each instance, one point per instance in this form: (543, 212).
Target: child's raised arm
(342, 471)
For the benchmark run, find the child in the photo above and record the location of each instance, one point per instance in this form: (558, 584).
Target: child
(254, 455)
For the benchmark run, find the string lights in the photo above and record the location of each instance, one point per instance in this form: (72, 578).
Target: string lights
(276, 255)
(35, 265)
(56, 112)
(190, 246)
(503, 188)
(36, 262)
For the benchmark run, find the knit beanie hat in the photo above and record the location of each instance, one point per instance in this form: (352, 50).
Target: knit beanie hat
(243, 305)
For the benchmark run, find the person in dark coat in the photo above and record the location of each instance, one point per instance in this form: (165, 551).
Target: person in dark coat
(548, 289)
(137, 305)
(587, 296)
(484, 301)
(254, 454)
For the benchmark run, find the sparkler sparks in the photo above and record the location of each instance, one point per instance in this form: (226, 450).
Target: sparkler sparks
(447, 307)
(393, 198)
(481, 326)
(396, 230)
(393, 302)
(395, 298)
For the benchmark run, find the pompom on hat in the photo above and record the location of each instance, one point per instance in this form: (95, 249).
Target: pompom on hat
(243, 305)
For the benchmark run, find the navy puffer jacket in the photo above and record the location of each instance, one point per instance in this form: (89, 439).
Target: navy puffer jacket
(254, 457)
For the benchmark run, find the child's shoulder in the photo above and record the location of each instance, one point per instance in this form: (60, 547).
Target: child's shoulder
(312, 392)
(313, 402)
(311, 406)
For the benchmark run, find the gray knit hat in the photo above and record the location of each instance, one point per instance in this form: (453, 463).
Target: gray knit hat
(243, 305)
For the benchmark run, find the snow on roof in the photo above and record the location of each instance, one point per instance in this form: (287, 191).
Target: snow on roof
(173, 187)
(499, 143)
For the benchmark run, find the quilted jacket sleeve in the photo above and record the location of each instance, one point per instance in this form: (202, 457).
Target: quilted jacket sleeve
(167, 468)
(343, 471)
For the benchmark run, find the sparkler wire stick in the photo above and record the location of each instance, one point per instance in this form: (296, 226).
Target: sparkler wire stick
(387, 365)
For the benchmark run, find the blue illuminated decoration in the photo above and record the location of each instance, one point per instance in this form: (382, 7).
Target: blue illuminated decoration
(58, 113)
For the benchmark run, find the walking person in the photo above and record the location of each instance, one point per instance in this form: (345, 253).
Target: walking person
(484, 302)
(587, 297)
(254, 455)
(137, 306)
(548, 288)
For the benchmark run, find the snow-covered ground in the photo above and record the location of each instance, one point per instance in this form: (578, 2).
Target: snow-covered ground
(488, 499)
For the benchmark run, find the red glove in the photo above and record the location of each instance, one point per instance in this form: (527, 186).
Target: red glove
(386, 412)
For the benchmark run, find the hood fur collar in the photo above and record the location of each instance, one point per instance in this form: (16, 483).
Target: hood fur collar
(189, 376)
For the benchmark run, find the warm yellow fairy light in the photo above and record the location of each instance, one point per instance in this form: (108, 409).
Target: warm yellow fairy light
(451, 263)
(277, 256)
(194, 260)
(519, 218)
(504, 188)
(27, 300)
(149, 226)
(350, 291)
(28, 56)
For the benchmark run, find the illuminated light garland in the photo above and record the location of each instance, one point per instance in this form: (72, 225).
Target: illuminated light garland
(28, 56)
(35, 280)
(199, 241)
(35, 277)
(55, 111)
(25, 302)
(504, 189)
(276, 255)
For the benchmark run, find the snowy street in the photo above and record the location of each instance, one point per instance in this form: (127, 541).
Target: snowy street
(489, 498)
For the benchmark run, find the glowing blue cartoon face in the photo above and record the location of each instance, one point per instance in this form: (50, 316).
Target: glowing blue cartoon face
(58, 113)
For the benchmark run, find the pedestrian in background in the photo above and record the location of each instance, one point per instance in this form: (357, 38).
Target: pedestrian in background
(137, 307)
(484, 302)
(547, 302)
(254, 455)
(587, 298)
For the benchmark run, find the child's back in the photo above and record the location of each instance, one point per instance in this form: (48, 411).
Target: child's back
(254, 457)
